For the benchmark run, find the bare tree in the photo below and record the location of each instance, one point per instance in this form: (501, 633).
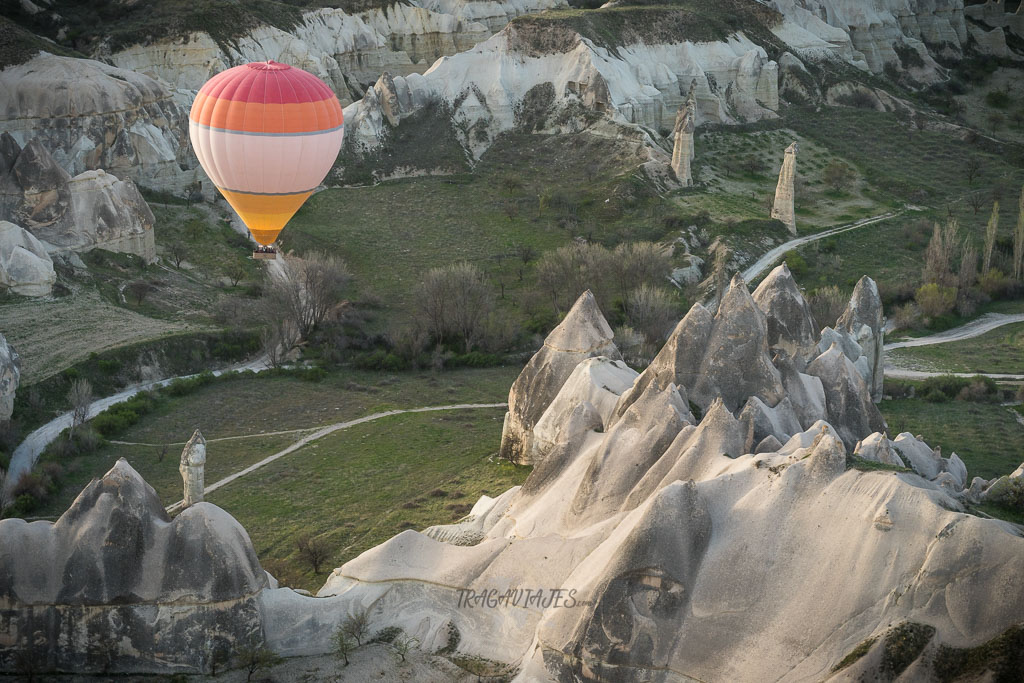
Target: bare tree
(827, 304)
(310, 290)
(313, 550)
(938, 267)
(651, 311)
(1018, 240)
(178, 252)
(838, 175)
(454, 302)
(344, 644)
(640, 263)
(991, 230)
(971, 169)
(139, 290)
(236, 272)
(80, 398)
(402, 644)
(255, 657)
(566, 272)
(976, 200)
(357, 626)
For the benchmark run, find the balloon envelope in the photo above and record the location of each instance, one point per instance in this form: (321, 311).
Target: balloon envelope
(266, 134)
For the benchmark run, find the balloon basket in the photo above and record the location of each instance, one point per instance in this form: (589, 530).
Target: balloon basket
(264, 255)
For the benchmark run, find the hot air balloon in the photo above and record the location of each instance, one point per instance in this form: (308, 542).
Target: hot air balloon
(266, 134)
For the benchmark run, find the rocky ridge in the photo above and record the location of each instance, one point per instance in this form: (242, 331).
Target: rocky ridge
(664, 525)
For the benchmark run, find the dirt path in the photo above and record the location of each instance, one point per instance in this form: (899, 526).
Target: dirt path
(975, 328)
(768, 259)
(25, 455)
(330, 429)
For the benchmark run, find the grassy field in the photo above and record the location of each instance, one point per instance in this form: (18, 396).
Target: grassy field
(528, 192)
(357, 488)
(257, 404)
(998, 351)
(986, 436)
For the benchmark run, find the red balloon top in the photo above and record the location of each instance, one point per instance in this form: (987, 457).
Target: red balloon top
(267, 83)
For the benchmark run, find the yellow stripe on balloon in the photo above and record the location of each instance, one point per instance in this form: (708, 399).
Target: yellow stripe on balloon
(265, 214)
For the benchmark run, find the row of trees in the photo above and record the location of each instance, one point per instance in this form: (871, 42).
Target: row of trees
(952, 279)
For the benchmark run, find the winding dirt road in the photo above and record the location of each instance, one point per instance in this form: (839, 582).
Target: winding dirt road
(769, 258)
(975, 328)
(330, 429)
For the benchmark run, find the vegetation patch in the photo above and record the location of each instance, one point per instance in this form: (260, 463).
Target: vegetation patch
(855, 654)
(903, 645)
(1000, 660)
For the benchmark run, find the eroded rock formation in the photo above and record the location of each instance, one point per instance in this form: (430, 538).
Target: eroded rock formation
(782, 207)
(682, 149)
(90, 115)
(116, 586)
(25, 267)
(735, 80)
(665, 541)
(584, 333)
(10, 375)
(92, 209)
(192, 469)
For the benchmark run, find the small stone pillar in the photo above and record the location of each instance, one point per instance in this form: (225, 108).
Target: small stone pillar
(783, 208)
(193, 462)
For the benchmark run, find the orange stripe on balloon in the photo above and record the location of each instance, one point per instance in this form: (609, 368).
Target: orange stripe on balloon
(265, 214)
(256, 117)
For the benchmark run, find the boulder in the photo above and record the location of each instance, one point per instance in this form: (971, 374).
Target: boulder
(10, 375)
(91, 210)
(878, 448)
(116, 586)
(682, 147)
(25, 267)
(918, 455)
(584, 333)
(791, 326)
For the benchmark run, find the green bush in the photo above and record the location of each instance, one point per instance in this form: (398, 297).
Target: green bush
(109, 423)
(188, 385)
(1000, 99)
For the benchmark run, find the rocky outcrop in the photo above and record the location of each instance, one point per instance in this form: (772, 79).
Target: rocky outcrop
(847, 396)
(192, 468)
(25, 267)
(494, 14)
(667, 544)
(993, 13)
(791, 326)
(736, 363)
(346, 50)
(116, 586)
(10, 375)
(488, 86)
(864, 323)
(868, 34)
(91, 210)
(782, 207)
(682, 149)
(584, 333)
(91, 116)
